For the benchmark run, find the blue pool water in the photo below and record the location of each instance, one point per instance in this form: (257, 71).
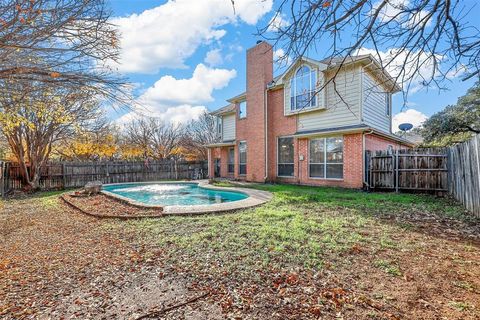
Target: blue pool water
(171, 194)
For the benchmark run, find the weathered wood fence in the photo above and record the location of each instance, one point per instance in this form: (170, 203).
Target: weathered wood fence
(464, 182)
(411, 169)
(77, 174)
(455, 170)
(2, 179)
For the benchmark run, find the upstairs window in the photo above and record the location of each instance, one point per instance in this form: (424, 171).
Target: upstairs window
(388, 103)
(302, 89)
(242, 112)
(219, 126)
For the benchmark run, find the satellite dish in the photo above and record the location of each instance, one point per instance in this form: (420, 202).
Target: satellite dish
(405, 127)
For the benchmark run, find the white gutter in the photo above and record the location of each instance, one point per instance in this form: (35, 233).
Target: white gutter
(326, 133)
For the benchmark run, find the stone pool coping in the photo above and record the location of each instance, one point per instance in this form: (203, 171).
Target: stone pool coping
(255, 198)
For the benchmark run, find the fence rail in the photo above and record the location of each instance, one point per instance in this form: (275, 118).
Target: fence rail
(77, 174)
(464, 182)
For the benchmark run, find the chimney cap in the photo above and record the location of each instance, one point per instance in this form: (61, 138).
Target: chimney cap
(259, 41)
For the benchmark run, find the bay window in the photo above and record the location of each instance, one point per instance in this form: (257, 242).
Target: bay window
(326, 158)
(285, 154)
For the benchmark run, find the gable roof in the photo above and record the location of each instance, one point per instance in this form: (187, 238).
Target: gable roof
(225, 110)
(370, 64)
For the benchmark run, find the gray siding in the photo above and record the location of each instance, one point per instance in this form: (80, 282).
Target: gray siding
(228, 127)
(342, 103)
(374, 104)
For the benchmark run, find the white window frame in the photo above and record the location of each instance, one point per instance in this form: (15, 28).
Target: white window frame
(325, 163)
(388, 103)
(239, 158)
(240, 108)
(231, 163)
(220, 127)
(293, 87)
(278, 154)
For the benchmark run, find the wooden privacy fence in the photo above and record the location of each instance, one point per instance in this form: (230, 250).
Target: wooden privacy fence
(464, 182)
(410, 169)
(77, 174)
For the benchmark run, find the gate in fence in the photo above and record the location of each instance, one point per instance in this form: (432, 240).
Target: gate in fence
(412, 169)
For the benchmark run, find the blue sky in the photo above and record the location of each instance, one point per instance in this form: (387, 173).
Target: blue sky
(189, 55)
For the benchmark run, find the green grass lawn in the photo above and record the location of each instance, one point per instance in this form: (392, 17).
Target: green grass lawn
(303, 227)
(309, 253)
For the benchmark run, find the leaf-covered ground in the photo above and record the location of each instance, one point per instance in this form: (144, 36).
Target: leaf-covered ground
(310, 253)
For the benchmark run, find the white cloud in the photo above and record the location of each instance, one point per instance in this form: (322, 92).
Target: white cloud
(396, 10)
(197, 89)
(415, 117)
(277, 23)
(214, 58)
(281, 58)
(180, 100)
(175, 115)
(168, 34)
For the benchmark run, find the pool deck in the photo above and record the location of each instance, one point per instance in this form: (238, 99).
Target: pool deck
(255, 198)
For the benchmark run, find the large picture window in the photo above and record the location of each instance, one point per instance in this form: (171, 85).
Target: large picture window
(231, 160)
(302, 89)
(326, 158)
(285, 157)
(242, 157)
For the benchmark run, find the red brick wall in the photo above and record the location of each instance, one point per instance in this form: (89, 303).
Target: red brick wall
(375, 142)
(252, 128)
(278, 125)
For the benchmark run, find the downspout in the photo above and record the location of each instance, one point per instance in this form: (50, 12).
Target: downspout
(363, 158)
(362, 119)
(265, 101)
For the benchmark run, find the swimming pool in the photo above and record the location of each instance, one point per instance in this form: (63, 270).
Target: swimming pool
(173, 194)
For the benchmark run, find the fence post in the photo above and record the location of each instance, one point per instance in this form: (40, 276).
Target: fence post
(396, 171)
(2, 179)
(64, 177)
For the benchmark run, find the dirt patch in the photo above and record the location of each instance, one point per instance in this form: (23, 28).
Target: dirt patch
(293, 258)
(55, 262)
(102, 206)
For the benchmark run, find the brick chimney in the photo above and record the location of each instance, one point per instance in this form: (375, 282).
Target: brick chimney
(259, 74)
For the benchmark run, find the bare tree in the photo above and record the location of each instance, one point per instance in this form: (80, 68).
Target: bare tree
(60, 42)
(138, 133)
(33, 123)
(156, 138)
(420, 35)
(201, 132)
(166, 138)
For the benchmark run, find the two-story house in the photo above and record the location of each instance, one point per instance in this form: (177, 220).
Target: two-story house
(310, 125)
